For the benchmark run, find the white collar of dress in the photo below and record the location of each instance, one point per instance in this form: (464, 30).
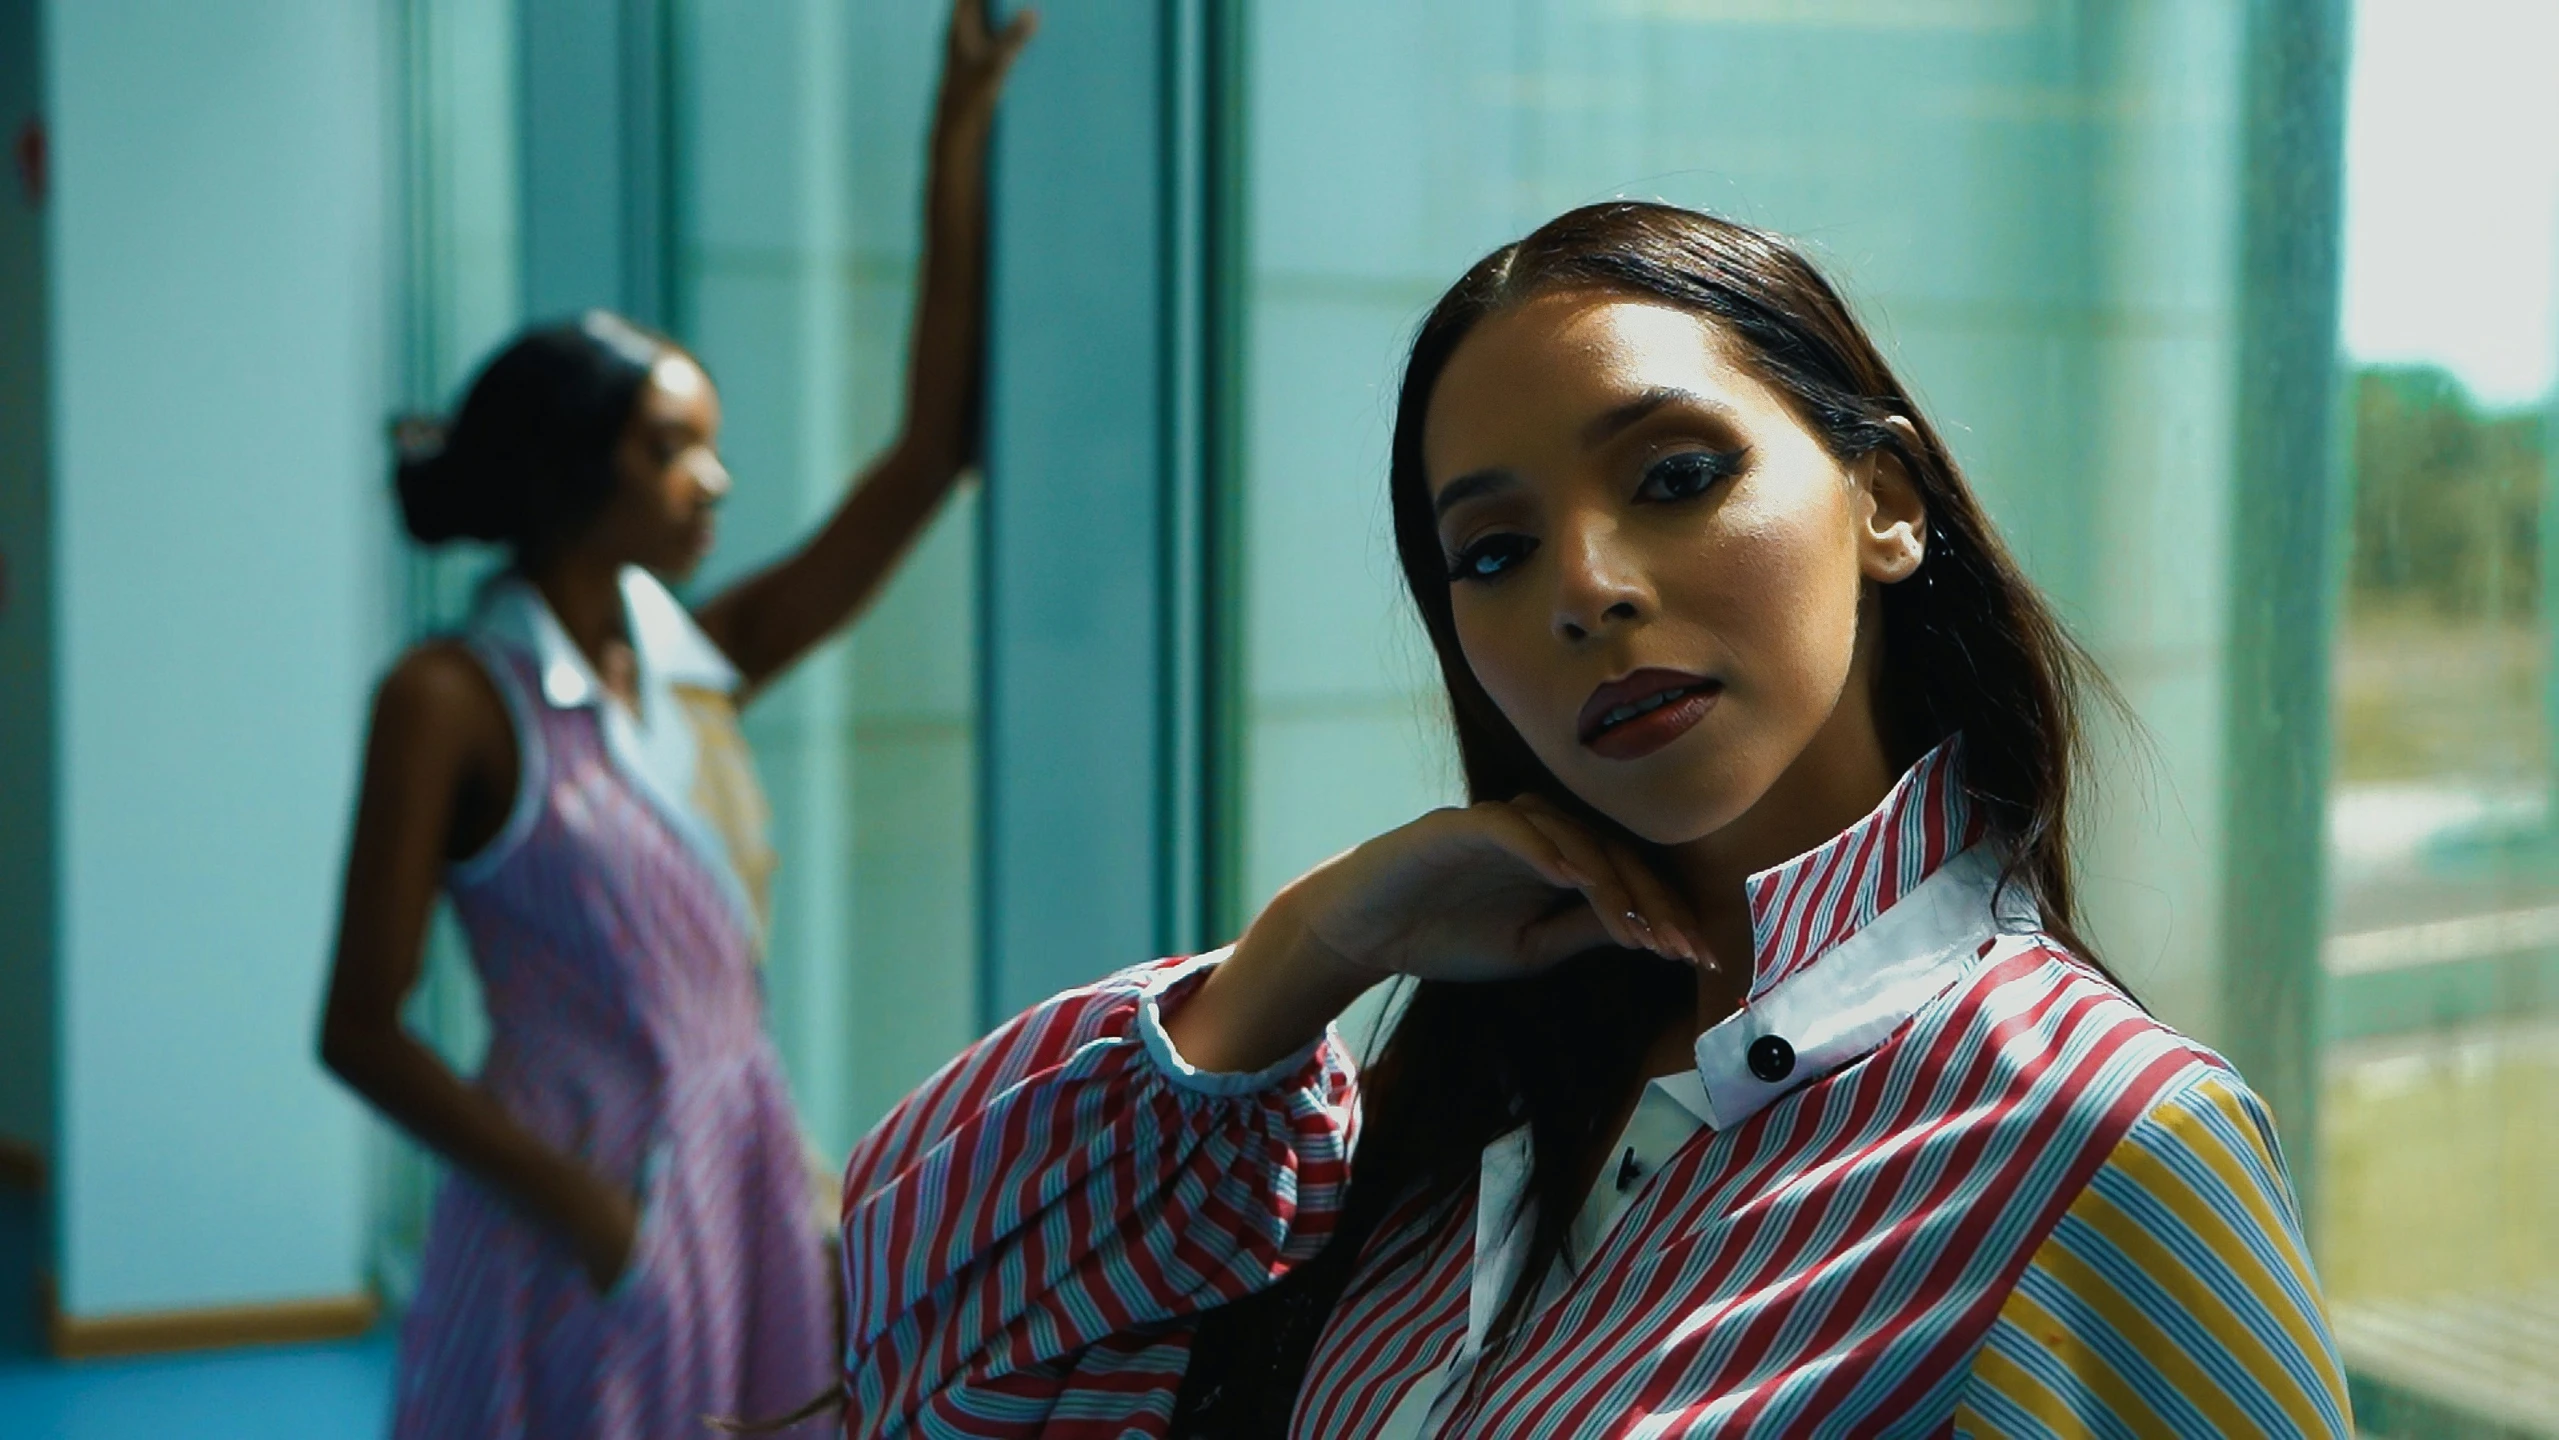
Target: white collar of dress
(670, 647)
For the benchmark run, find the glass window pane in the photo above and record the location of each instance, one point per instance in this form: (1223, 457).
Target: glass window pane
(800, 137)
(2035, 205)
(2439, 1203)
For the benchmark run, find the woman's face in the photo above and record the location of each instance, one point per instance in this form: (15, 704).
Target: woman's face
(1658, 573)
(672, 480)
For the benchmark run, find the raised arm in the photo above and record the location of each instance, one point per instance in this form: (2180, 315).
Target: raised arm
(773, 617)
(440, 762)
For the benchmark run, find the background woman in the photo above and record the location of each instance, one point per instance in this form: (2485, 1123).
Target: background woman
(1752, 1075)
(624, 1245)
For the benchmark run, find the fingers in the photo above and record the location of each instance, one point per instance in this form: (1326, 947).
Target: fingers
(1632, 900)
(1572, 930)
(1600, 882)
(1666, 913)
(1526, 841)
(1008, 45)
(976, 42)
(978, 58)
(1570, 858)
(1567, 862)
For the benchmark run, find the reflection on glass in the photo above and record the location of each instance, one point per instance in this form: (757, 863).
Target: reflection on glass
(2439, 1200)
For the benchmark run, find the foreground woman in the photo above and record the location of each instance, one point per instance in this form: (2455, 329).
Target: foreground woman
(1752, 1077)
(624, 1245)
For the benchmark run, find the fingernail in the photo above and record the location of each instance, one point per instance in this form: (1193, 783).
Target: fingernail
(1679, 943)
(1643, 928)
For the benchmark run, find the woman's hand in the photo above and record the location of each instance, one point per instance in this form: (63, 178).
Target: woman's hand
(975, 58)
(607, 1228)
(1495, 891)
(1490, 892)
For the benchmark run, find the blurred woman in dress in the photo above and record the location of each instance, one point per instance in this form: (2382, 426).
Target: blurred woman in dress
(624, 1242)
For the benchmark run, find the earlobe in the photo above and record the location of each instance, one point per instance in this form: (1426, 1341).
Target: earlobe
(1896, 530)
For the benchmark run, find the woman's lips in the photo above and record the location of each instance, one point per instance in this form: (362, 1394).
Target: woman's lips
(1631, 718)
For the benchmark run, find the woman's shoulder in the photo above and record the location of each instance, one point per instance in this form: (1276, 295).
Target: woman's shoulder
(2069, 1051)
(2182, 1254)
(443, 682)
(2052, 1022)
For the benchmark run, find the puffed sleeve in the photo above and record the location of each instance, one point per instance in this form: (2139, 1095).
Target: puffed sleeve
(2174, 1298)
(1066, 1189)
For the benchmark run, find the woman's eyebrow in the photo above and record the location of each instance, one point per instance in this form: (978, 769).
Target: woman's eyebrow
(1473, 485)
(1609, 424)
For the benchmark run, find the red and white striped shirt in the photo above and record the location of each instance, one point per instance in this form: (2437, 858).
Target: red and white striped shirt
(1917, 1091)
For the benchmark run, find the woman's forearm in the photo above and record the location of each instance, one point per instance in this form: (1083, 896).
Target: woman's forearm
(1269, 999)
(769, 620)
(414, 1087)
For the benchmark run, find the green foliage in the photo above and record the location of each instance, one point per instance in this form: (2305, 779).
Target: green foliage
(2447, 499)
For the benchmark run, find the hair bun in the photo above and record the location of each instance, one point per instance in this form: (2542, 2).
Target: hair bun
(530, 455)
(442, 497)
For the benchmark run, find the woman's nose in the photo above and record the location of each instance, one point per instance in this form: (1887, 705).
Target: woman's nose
(1596, 585)
(710, 474)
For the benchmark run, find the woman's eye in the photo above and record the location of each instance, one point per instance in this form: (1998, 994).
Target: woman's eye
(1490, 556)
(1687, 475)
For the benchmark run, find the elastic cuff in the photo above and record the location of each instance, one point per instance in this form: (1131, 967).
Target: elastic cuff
(1159, 1044)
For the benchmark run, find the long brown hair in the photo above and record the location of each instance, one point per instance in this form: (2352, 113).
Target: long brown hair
(1969, 648)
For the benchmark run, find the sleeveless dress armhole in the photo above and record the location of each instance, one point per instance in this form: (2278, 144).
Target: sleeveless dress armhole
(531, 773)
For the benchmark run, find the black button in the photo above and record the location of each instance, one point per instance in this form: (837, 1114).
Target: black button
(1771, 1058)
(1628, 1172)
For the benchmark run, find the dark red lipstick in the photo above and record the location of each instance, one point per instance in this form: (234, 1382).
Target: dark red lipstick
(1630, 718)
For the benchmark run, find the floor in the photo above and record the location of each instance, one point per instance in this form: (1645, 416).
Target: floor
(287, 1393)
(308, 1392)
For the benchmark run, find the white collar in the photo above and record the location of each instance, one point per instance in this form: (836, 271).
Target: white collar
(1851, 999)
(670, 647)
(655, 745)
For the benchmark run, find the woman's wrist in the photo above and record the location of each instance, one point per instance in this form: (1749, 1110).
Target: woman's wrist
(1269, 999)
(605, 1220)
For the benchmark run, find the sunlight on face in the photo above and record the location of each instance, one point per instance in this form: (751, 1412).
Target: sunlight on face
(672, 478)
(1657, 571)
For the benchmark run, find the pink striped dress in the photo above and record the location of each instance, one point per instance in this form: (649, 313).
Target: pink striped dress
(614, 923)
(1937, 1177)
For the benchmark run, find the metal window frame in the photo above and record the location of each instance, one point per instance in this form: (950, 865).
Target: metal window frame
(1106, 643)
(595, 93)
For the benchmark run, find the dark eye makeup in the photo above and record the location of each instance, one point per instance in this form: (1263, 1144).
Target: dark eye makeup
(1681, 475)
(1687, 474)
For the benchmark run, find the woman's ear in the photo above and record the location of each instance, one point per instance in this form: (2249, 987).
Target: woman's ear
(1892, 517)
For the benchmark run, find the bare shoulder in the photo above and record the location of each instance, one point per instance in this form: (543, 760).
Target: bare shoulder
(439, 696)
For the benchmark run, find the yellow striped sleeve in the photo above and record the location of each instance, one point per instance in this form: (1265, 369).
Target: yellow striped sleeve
(2174, 1298)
